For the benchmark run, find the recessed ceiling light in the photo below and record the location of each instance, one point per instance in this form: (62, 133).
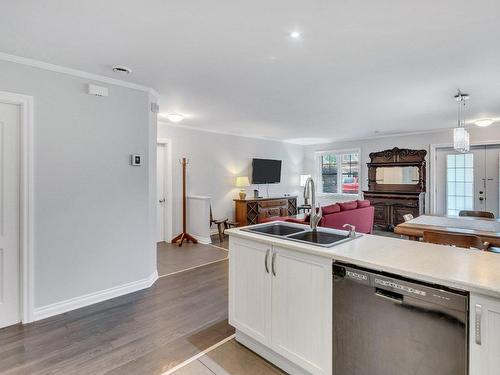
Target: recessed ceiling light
(121, 69)
(295, 35)
(175, 117)
(484, 122)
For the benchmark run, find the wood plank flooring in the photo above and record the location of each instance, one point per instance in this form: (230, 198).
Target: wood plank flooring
(146, 332)
(216, 241)
(172, 258)
(231, 358)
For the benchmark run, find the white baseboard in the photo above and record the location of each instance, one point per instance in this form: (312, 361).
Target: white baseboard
(202, 239)
(92, 298)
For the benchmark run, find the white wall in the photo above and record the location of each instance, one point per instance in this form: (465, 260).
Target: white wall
(92, 220)
(215, 161)
(414, 141)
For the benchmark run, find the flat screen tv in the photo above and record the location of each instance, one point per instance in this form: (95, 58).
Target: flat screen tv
(266, 171)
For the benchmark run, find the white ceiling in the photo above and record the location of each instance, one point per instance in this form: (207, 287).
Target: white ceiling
(360, 67)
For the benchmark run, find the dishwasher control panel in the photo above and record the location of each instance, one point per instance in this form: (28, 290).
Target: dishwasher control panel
(402, 287)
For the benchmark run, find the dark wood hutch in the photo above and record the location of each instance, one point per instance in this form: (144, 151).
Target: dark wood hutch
(396, 185)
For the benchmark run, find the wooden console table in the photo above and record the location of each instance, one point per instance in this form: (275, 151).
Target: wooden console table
(250, 211)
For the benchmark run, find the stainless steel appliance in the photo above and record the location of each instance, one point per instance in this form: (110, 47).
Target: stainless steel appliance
(387, 325)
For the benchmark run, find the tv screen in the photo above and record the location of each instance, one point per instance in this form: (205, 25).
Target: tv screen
(266, 171)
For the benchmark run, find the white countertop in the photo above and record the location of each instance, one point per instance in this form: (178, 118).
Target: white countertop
(470, 270)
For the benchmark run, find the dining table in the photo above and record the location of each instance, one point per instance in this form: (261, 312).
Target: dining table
(486, 229)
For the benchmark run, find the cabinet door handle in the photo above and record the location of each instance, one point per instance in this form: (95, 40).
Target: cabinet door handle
(273, 261)
(479, 315)
(265, 260)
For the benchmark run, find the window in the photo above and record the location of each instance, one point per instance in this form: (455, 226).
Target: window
(338, 172)
(460, 177)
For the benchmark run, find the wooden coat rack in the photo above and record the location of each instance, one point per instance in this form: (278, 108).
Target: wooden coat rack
(184, 236)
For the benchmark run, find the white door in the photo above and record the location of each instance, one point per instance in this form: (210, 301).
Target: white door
(484, 336)
(491, 181)
(467, 181)
(301, 310)
(9, 214)
(250, 288)
(160, 189)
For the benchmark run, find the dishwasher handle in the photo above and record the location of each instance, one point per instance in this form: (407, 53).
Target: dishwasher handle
(390, 296)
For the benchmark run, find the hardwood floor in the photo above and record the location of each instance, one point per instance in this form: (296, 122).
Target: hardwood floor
(172, 258)
(216, 241)
(231, 358)
(146, 332)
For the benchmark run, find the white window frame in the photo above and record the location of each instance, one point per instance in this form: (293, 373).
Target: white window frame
(318, 177)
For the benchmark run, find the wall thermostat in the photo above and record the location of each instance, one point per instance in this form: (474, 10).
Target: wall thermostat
(136, 160)
(97, 90)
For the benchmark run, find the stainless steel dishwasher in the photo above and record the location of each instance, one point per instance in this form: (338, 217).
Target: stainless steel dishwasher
(387, 325)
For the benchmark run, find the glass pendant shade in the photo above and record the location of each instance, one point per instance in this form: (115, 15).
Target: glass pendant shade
(461, 142)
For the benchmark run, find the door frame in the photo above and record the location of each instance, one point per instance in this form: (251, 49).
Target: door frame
(167, 186)
(433, 169)
(26, 202)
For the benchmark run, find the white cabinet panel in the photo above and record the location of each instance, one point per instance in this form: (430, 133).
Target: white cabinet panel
(301, 309)
(484, 336)
(250, 289)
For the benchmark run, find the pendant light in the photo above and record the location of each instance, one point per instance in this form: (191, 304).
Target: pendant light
(461, 140)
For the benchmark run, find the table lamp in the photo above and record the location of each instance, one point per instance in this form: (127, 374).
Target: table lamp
(242, 182)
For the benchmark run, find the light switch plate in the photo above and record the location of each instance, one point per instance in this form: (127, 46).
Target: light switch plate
(136, 160)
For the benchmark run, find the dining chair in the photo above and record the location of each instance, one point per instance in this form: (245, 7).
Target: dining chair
(483, 214)
(221, 224)
(455, 239)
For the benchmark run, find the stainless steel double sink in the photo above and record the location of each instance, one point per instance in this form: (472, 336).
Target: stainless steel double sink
(321, 237)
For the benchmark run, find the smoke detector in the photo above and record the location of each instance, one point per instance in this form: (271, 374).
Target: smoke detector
(122, 69)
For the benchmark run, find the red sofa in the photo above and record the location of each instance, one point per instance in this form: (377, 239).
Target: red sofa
(358, 213)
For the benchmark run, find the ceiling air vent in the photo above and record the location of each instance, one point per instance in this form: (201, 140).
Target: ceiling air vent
(121, 69)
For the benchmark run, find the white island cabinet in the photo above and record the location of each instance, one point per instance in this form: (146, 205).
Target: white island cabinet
(484, 335)
(281, 300)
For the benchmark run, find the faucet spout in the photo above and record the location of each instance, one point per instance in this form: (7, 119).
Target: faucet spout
(316, 213)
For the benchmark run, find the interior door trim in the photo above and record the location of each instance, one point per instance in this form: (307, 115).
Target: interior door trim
(27, 201)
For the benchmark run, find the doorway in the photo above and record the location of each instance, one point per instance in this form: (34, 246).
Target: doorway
(163, 191)
(467, 181)
(10, 311)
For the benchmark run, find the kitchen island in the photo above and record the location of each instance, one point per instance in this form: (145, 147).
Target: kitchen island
(281, 303)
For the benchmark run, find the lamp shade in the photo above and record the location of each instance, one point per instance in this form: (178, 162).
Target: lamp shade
(461, 141)
(303, 179)
(242, 181)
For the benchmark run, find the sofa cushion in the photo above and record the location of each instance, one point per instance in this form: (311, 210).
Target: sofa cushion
(346, 206)
(361, 218)
(330, 209)
(363, 203)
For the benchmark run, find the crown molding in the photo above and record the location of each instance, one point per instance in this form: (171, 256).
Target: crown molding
(76, 73)
(195, 128)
